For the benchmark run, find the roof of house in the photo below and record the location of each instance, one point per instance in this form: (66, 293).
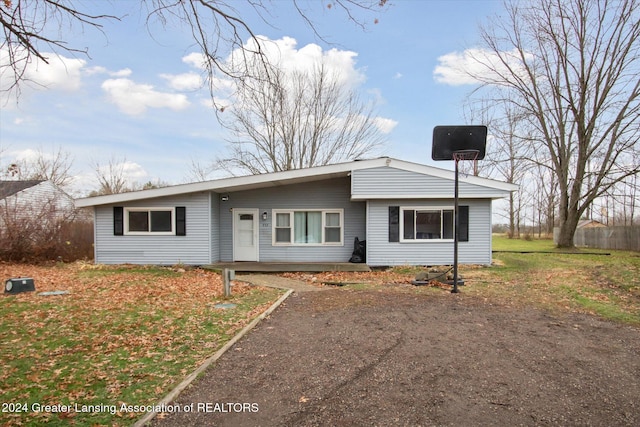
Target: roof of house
(9, 188)
(589, 223)
(275, 179)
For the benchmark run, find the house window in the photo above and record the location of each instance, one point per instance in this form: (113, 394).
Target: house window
(283, 228)
(426, 224)
(149, 221)
(332, 228)
(308, 227)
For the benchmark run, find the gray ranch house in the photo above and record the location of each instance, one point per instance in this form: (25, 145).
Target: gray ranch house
(403, 210)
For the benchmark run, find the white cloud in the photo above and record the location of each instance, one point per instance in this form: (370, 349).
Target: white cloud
(125, 72)
(133, 98)
(397, 76)
(130, 171)
(97, 69)
(377, 97)
(339, 64)
(460, 68)
(385, 125)
(133, 171)
(60, 73)
(196, 60)
(185, 81)
(284, 53)
(27, 155)
(453, 69)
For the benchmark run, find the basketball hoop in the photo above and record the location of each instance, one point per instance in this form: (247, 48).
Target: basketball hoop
(465, 155)
(458, 143)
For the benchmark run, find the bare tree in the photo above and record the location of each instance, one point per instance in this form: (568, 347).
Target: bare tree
(200, 171)
(623, 199)
(542, 184)
(573, 66)
(216, 26)
(297, 119)
(54, 167)
(115, 177)
(111, 177)
(508, 153)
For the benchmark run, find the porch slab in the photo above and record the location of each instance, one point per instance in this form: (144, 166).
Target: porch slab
(280, 267)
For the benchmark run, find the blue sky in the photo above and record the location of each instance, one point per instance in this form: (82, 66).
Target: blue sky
(132, 99)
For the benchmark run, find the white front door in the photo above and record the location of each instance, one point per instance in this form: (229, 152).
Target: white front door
(245, 234)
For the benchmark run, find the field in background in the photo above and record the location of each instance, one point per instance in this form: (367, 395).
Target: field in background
(606, 283)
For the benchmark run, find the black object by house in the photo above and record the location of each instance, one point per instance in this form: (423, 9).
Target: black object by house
(359, 254)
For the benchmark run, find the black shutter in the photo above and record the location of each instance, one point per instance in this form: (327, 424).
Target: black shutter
(118, 221)
(181, 221)
(463, 218)
(394, 223)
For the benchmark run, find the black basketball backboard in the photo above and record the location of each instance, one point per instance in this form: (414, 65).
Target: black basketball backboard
(449, 139)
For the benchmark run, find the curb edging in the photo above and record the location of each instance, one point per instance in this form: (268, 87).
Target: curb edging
(173, 394)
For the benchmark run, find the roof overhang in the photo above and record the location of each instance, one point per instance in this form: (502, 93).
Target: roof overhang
(496, 189)
(242, 183)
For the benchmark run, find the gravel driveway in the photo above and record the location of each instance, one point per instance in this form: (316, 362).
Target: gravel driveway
(393, 357)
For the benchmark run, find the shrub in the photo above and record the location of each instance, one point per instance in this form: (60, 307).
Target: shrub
(28, 234)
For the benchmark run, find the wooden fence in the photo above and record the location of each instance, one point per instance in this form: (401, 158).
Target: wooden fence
(620, 238)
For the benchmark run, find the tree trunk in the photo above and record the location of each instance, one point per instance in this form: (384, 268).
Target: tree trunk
(568, 230)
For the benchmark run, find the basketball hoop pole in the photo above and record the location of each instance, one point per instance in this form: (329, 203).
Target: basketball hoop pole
(456, 224)
(457, 156)
(458, 143)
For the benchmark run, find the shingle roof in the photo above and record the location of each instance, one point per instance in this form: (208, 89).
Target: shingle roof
(8, 188)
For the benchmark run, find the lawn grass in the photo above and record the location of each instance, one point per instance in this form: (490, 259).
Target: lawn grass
(500, 242)
(583, 280)
(121, 336)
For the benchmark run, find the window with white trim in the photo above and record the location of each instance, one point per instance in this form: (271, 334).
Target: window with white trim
(308, 227)
(426, 223)
(149, 221)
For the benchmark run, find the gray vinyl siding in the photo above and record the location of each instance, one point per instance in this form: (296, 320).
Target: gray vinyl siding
(388, 181)
(192, 249)
(327, 194)
(381, 252)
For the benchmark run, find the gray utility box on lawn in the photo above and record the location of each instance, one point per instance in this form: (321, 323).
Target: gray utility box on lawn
(22, 284)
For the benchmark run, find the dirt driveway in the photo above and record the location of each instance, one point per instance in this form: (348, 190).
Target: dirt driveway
(362, 358)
